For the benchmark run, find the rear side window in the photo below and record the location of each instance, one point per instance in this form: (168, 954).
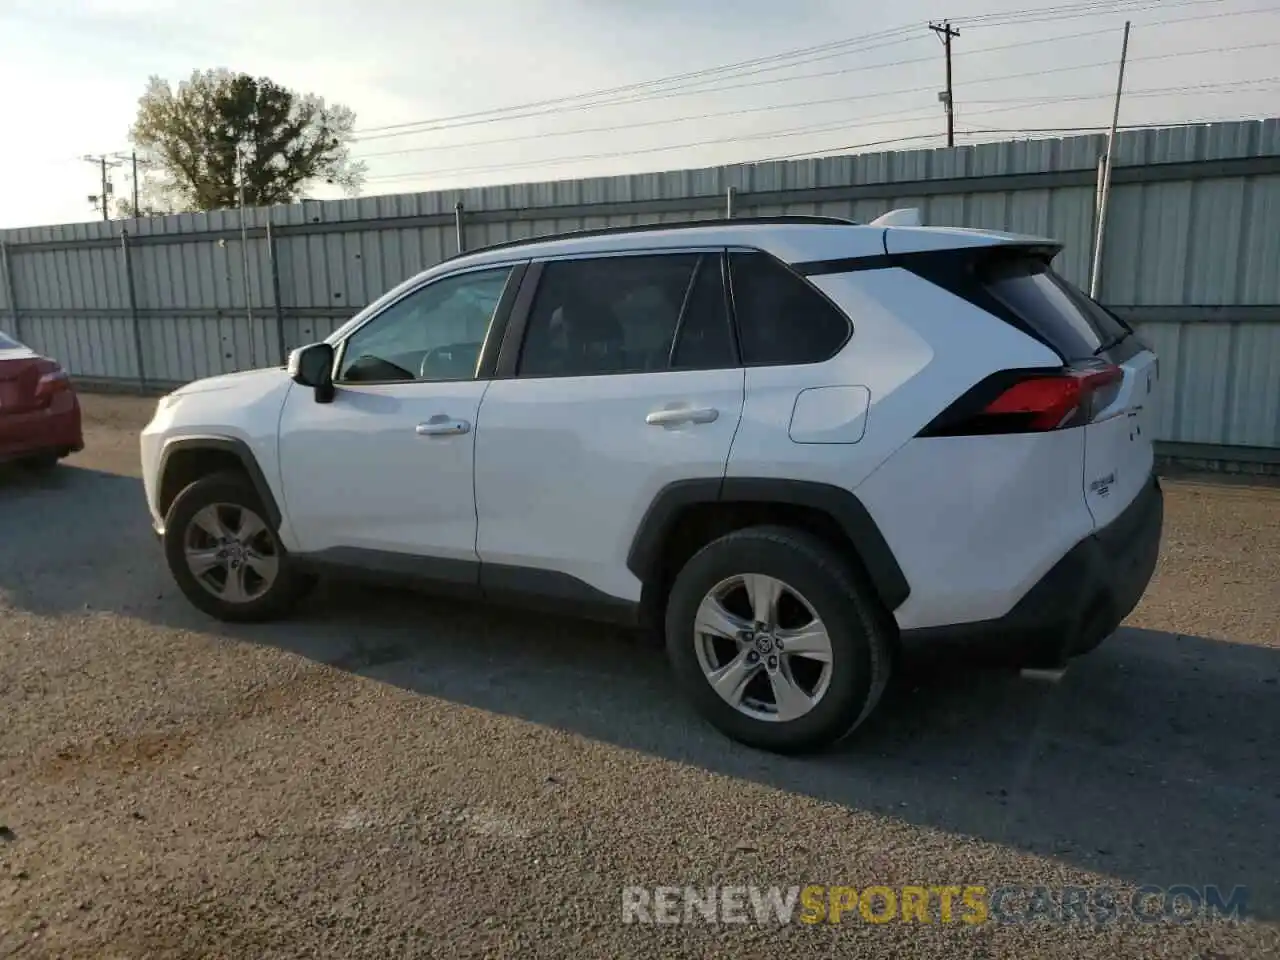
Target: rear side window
(628, 314)
(8, 343)
(781, 319)
(1064, 316)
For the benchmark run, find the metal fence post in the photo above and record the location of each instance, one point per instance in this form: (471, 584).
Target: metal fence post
(10, 292)
(133, 308)
(275, 289)
(458, 226)
(728, 202)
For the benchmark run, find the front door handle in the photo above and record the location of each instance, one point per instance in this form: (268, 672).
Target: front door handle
(442, 426)
(675, 417)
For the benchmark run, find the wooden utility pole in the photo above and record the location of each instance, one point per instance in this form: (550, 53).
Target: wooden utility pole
(946, 32)
(103, 199)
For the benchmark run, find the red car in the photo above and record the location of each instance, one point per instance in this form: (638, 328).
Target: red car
(39, 412)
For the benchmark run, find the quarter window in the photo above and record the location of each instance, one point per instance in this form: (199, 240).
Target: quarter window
(633, 314)
(433, 334)
(781, 319)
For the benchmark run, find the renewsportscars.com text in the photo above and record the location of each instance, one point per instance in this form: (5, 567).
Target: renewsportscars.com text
(967, 904)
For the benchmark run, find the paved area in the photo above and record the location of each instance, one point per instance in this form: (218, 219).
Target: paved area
(394, 776)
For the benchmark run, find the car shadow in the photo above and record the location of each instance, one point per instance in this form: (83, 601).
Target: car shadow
(1155, 759)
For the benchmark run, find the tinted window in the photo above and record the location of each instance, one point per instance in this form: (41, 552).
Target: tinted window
(705, 338)
(7, 342)
(781, 319)
(623, 314)
(1064, 316)
(434, 333)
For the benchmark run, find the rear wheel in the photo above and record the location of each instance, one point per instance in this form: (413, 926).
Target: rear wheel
(225, 556)
(776, 641)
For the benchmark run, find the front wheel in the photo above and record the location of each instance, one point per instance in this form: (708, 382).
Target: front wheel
(225, 556)
(776, 641)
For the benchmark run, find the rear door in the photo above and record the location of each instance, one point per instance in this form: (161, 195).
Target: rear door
(626, 380)
(1119, 452)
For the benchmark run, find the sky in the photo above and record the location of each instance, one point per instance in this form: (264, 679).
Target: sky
(73, 71)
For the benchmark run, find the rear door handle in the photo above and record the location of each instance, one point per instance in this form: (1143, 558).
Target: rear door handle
(442, 426)
(679, 415)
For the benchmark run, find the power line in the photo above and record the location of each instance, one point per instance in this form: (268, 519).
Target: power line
(628, 153)
(1192, 90)
(974, 52)
(979, 132)
(1226, 86)
(761, 64)
(811, 129)
(1052, 70)
(1153, 125)
(1087, 9)
(744, 111)
(613, 128)
(859, 44)
(445, 123)
(768, 135)
(795, 131)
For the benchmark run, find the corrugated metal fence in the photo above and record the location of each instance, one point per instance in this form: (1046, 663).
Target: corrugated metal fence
(1192, 255)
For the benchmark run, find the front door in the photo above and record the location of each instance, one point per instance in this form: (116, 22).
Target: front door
(383, 475)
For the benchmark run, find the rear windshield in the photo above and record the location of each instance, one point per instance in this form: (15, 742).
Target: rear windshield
(8, 343)
(1068, 320)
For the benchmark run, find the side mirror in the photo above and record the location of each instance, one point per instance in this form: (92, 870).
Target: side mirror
(312, 366)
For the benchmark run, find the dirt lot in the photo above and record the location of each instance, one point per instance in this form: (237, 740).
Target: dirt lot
(389, 775)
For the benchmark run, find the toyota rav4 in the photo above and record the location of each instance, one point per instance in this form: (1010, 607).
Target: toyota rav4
(797, 447)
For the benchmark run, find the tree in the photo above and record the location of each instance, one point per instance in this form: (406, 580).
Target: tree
(154, 200)
(220, 127)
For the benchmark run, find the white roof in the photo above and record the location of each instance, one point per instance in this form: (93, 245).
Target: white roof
(792, 241)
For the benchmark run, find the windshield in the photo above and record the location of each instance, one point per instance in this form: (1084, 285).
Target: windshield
(8, 343)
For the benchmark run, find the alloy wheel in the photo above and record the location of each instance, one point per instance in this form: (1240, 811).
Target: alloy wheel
(231, 552)
(762, 647)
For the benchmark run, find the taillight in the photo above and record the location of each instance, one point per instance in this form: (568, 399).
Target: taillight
(1031, 401)
(52, 379)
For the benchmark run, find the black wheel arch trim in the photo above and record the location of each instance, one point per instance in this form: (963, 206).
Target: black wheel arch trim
(242, 452)
(843, 506)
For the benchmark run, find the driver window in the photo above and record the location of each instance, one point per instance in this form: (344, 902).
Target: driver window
(433, 334)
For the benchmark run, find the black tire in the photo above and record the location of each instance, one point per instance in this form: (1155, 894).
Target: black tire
(42, 463)
(861, 645)
(290, 584)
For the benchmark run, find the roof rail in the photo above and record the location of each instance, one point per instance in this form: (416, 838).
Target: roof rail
(647, 227)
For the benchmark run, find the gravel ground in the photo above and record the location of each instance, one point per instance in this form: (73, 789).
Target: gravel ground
(390, 775)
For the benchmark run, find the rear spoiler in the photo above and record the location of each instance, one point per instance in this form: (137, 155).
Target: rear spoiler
(927, 251)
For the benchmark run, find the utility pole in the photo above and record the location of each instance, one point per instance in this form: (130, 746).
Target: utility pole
(132, 158)
(103, 162)
(946, 32)
(1095, 275)
(244, 253)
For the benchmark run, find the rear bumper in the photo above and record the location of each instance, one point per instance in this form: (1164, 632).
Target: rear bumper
(1080, 602)
(55, 430)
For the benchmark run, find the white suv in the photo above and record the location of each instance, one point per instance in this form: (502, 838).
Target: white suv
(798, 445)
